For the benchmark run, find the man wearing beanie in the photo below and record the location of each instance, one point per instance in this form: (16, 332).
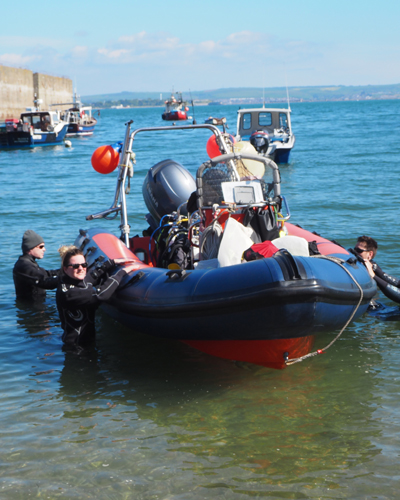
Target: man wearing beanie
(30, 280)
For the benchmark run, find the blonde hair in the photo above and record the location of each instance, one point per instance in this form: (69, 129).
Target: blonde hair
(66, 252)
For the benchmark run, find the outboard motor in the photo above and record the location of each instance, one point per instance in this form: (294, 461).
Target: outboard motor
(260, 141)
(166, 186)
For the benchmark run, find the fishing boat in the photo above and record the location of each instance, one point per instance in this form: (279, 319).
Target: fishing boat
(33, 128)
(219, 266)
(268, 130)
(175, 108)
(79, 118)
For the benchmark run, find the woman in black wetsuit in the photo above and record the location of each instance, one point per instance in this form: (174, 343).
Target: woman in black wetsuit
(79, 295)
(366, 247)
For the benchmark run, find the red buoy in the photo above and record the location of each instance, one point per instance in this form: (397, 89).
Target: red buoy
(105, 159)
(213, 148)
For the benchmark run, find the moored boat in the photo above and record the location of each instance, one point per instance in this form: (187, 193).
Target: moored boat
(200, 279)
(79, 118)
(175, 108)
(268, 130)
(33, 128)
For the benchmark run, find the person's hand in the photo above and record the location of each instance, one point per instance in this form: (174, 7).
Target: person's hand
(131, 267)
(122, 261)
(368, 265)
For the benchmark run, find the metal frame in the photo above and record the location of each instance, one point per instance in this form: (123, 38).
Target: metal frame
(128, 156)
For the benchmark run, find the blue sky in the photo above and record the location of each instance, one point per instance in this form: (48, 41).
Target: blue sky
(117, 45)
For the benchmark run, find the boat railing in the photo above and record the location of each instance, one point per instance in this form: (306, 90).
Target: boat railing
(125, 170)
(287, 216)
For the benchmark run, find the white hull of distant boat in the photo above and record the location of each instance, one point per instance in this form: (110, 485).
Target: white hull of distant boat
(268, 130)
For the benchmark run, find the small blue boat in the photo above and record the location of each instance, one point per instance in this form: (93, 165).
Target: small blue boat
(33, 128)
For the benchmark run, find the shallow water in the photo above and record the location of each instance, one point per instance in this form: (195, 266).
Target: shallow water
(151, 419)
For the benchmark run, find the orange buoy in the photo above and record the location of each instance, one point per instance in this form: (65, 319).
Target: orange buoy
(105, 159)
(213, 148)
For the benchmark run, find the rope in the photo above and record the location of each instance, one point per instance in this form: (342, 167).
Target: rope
(211, 240)
(212, 235)
(339, 262)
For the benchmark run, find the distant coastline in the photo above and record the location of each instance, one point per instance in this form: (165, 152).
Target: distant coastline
(244, 96)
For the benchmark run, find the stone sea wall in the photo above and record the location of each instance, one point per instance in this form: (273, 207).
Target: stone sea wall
(19, 86)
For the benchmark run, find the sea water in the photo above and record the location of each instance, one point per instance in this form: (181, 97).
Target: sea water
(144, 418)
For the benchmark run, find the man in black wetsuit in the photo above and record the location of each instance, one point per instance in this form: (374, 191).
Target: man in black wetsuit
(366, 247)
(30, 280)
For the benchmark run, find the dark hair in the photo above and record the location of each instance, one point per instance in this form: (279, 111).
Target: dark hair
(370, 243)
(66, 252)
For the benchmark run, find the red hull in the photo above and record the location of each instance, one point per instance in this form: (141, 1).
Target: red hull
(176, 115)
(269, 353)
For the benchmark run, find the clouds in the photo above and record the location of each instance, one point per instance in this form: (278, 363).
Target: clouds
(16, 60)
(157, 61)
(252, 50)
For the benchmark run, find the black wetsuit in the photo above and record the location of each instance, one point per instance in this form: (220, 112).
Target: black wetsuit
(32, 281)
(77, 301)
(387, 284)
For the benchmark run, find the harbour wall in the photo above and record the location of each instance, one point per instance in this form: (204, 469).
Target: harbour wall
(19, 86)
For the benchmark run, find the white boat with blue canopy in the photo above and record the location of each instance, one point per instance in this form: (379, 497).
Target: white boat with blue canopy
(268, 130)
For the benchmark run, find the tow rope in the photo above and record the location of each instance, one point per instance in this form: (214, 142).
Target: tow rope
(339, 262)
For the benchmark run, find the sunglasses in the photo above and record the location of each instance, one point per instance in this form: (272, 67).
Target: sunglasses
(41, 246)
(360, 250)
(76, 266)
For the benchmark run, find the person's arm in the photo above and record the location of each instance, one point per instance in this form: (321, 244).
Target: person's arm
(49, 279)
(384, 276)
(89, 293)
(390, 291)
(109, 286)
(30, 272)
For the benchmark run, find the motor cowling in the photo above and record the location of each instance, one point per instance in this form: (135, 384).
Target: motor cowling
(166, 186)
(260, 140)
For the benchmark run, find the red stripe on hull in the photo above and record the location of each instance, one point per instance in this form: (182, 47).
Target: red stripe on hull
(269, 353)
(325, 246)
(176, 115)
(115, 249)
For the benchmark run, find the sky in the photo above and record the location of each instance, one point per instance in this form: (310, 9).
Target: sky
(158, 46)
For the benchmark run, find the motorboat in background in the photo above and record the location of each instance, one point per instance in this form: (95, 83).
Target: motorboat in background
(193, 278)
(268, 130)
(34, 128)
(79, 118)
(175, 108)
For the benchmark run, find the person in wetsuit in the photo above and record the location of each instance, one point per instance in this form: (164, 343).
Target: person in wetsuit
(30, 280)
(79, 294)
(366, 247)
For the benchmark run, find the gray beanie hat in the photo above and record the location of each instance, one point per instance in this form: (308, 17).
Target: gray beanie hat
(30, 240)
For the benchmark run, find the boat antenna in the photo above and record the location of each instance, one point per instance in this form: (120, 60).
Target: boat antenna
(191, 99)
(263, 82)
(287, 95)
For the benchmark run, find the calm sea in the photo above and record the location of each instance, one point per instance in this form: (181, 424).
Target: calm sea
(149, 419)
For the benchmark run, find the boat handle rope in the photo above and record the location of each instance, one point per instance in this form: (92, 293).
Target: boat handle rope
(339, 262)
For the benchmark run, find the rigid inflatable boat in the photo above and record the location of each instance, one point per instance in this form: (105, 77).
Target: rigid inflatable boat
(219, 266)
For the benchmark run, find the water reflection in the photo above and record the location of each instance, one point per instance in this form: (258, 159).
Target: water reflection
(36, 317)
(233, 426)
